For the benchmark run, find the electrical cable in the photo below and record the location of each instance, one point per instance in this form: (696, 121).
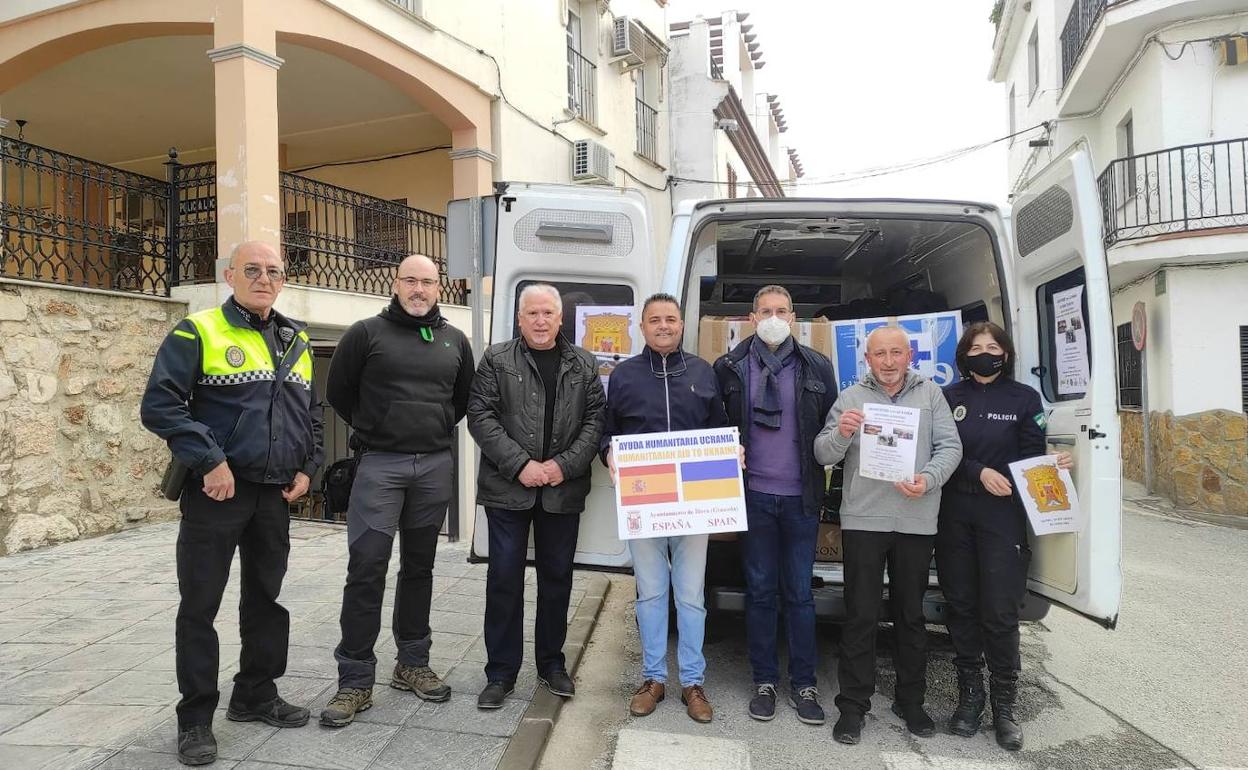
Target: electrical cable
(371, 160)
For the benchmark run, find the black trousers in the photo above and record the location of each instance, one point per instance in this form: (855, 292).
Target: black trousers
(908, 559)
(256, 521)
(982, 558)
(554, 545)
(360, 620)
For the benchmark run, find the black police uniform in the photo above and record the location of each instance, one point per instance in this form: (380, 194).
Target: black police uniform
(214, 396)
(981, 540)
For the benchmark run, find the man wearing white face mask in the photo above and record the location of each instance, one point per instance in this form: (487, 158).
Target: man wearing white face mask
(778, 393)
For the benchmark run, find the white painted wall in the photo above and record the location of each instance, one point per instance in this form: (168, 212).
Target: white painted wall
(1207, 309)
(1158, 350)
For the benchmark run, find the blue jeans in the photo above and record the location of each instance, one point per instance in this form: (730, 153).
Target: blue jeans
(778, 554)
(678, 562)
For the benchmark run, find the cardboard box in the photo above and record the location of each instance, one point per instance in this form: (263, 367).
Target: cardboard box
(828, 543)
(718, 334)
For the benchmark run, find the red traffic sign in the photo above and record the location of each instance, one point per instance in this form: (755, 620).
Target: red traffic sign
(1139, 325)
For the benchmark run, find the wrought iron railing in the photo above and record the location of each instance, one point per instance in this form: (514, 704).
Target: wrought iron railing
(337, 238)
(647, 131)
(193, 231)
(411, 6)
(1194, 187)
(68, 220)
(582, 76)
(1079, 25)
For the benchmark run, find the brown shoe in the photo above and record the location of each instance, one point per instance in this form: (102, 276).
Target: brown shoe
(697, 705)
(646, 698)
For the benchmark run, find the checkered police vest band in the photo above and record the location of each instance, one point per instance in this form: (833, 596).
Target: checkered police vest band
(238, 356)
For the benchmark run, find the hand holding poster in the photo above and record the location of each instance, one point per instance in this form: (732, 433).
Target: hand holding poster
(887, 445)
(678, 483)
(1048, 494)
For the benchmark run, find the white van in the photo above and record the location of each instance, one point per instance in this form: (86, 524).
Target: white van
(594, 245)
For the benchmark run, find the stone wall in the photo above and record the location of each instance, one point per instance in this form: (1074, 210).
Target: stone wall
(1200, 461)
(74, 459)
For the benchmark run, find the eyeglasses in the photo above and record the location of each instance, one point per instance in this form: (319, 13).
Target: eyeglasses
(275, 274)
(424, 283)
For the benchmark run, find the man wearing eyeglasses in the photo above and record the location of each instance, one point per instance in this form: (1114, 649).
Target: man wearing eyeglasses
(231, 392)
(400, 379)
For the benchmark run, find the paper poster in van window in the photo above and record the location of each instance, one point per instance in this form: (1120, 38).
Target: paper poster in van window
(1070, 341)
(933, 344)
(607, 331)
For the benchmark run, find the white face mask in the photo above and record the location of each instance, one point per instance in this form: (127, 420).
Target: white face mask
(772, 330)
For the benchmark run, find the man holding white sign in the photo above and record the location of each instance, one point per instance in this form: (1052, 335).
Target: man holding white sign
(664, 389)
(888, 522)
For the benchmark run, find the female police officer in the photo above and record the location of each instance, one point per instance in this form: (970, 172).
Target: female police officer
(981, 540)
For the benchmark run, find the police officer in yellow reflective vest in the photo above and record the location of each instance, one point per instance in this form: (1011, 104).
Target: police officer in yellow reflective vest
(231, 393)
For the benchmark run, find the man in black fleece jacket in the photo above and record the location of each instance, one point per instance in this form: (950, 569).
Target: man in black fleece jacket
(400, 379)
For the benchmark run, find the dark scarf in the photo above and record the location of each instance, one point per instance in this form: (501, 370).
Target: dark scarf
(425, 323)
(766, 401)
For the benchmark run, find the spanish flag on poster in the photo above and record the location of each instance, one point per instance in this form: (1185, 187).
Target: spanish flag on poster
(648, 484)
(710, 479)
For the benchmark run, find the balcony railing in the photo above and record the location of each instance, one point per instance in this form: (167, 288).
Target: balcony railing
(647, 132)
(1083, 17)
(1181, 189)
(72, 221)
(582, 74)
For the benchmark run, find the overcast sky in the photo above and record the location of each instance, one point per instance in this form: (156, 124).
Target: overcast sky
(869, 84)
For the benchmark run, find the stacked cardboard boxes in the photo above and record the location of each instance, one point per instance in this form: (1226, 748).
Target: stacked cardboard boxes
(718, 334)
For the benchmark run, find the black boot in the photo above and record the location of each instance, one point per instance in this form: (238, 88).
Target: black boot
(966, 717)
(1009, 734)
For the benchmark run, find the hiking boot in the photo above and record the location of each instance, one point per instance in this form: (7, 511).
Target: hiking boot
(1002, 695)
(494, 694)
(970, 709)
(807, 704)
(848, 728)
(196, 746)
(646, 699)
(763, 704)
(276, 712)
(916, 719)
(422, 681)
(346, 703)
(559, 683)
(697, 705)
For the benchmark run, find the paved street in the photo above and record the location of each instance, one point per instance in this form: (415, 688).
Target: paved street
(1164, 690)
(86, 662)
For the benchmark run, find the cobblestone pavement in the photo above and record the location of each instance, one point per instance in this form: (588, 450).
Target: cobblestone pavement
(87, 662)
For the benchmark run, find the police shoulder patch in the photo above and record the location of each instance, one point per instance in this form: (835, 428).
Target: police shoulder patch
(959, 412)
(1041, 420)
(286, 334)
(234, 356)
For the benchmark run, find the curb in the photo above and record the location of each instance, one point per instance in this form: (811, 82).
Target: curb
(525, 748)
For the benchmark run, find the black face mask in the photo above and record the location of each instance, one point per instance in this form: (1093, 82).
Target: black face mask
(986, 364)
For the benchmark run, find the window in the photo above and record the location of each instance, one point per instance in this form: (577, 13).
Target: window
(1013, 123)
(1130, 397)
(1126, 149)
(1243, 365)
(1065, 355)
(582, 100)
(295, 240)
(381, 234)
(1033, 63)
(732, 181)
(645, 85)
(575, 295)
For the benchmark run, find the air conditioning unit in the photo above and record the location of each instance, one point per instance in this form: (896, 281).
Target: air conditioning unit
(629, 41)
(592, 163)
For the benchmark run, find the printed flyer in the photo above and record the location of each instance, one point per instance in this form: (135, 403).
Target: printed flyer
(1048, 494)
(887, 446)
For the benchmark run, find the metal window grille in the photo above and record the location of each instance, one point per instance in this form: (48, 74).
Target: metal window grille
(1130, 360)
(647, 131)
(1243, 365)
(1083, 17)
(582, 99)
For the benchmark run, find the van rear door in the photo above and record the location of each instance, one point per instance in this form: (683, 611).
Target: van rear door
(1065, 337)
(594, 245)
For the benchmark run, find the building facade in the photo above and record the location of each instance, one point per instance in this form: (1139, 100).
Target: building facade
(727, 139)
(337, 130)
(1157, 91)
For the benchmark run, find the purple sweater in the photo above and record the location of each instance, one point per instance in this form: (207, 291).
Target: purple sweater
(772, 457)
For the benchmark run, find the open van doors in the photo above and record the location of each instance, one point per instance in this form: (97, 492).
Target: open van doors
(594, 245)
(1065, 338)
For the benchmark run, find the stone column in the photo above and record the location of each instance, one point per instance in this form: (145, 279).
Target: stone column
(245, 72)
(472, 167)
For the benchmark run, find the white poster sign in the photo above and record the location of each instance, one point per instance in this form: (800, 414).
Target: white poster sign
(1048, 494)
(678, 483)
(887, 444)
(1071, 341)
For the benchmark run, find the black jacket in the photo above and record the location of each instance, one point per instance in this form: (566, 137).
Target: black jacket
(640, 402)
(506, 413)
(999, 423)
(266, 435)
(816, 392)
(399, 391)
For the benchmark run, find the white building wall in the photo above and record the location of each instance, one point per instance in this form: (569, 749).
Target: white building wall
(1158, 350)
(1207, 309)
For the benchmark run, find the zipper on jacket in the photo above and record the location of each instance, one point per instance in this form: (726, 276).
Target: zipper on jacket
(667, 396)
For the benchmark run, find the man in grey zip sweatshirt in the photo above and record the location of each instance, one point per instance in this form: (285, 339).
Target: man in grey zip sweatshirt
(885, 522)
